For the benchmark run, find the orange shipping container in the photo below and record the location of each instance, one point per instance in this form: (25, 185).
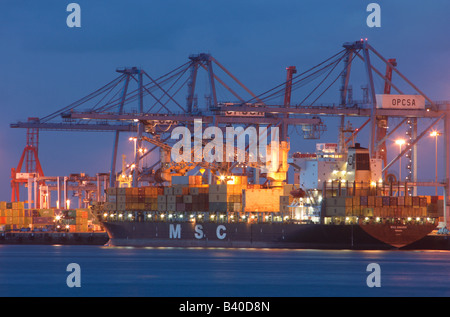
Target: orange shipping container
(371, 201)
(379, 201)
(408, 201)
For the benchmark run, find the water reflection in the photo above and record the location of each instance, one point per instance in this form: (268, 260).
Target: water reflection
(122, 271)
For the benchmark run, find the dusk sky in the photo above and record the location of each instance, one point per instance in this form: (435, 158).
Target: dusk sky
(45, 65)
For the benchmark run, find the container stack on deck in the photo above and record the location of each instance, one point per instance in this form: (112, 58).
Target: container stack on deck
(187, 193)
(268, 199)
(383, 206)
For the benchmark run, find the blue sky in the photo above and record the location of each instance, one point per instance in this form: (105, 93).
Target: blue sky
(45, 65)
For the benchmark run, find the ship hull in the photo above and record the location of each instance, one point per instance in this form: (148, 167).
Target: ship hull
(242, 235)
(398, 234)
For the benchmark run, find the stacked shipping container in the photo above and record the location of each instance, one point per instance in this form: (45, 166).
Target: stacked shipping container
(383, 206)
(188, 194)
(13, 216)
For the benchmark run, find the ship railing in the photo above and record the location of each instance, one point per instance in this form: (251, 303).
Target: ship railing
(197, 216)
(348, 220)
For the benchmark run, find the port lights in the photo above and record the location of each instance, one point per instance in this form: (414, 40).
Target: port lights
(58, 217)
(120, 215)
(105, 215)
(434, 133)
(400, 142)
(130, 215)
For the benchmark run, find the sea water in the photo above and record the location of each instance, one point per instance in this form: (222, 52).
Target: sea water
(39, 271)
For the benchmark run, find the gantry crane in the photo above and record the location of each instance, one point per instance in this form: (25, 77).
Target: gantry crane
(33, 166)
(166, 112)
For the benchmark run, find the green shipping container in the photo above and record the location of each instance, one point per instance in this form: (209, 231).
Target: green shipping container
(72, 213)
(46, 212)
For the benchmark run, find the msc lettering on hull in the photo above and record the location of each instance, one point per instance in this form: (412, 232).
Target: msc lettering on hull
(175, 231)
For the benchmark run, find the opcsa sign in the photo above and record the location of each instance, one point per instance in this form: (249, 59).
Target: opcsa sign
(400, 102)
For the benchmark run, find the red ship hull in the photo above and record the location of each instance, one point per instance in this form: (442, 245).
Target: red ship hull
(398, 234)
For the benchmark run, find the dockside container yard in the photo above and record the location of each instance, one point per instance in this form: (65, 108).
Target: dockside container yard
(13, 216)
(48, 226)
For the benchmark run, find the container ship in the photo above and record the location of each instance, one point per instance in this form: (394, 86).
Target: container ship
(338, 202)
